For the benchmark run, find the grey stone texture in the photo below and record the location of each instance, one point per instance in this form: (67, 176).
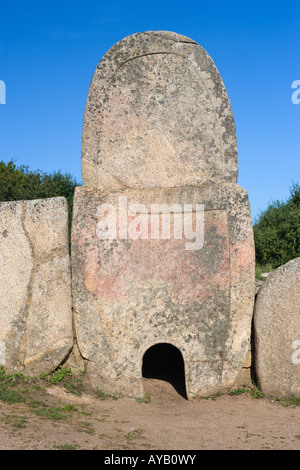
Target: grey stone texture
(158, 129)
(157, 115)
(131, 294)
(277, 332)
(35, 303)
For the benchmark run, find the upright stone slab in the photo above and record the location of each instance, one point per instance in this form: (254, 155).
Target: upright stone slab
(157, 115)
(159, 146)
(35, 302)
(277, 332)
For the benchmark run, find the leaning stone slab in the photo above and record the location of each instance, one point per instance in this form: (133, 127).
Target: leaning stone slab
(35, 301)
(277, 332)
(157, 115)
(135, 290)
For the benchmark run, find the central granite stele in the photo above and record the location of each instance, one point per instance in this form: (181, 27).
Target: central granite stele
(162, 238)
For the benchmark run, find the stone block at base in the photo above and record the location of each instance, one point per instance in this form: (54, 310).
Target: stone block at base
(35, 302)
(277, 332)
(131, 294)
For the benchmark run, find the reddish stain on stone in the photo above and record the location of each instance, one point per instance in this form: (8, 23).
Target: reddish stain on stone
(114, 268)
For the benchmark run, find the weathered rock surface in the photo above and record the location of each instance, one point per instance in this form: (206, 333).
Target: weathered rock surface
(277, 332)
(35, 301)
(157, 115)
(159, 131)
(130, 294)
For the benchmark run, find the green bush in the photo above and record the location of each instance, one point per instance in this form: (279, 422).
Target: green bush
(277, 231)
(20, 183)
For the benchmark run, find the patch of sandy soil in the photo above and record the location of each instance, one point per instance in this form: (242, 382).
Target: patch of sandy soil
(166, 422)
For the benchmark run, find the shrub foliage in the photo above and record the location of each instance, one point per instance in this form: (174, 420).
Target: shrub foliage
(20, 183)
(277, 231)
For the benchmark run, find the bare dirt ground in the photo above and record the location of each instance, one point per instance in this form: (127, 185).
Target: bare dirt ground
(51, 418)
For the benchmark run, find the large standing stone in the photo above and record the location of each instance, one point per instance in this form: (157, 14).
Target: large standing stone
(131, 294)
(35, 302)
(157, 115)
(277, 332)
(159, 134)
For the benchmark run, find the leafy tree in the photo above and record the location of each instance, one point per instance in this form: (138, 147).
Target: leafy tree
(20, 183)
(277, 231)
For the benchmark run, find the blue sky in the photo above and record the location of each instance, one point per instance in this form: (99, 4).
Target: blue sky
(49, 51)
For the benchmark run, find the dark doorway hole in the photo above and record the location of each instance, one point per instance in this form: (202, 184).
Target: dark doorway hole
(165, 362)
